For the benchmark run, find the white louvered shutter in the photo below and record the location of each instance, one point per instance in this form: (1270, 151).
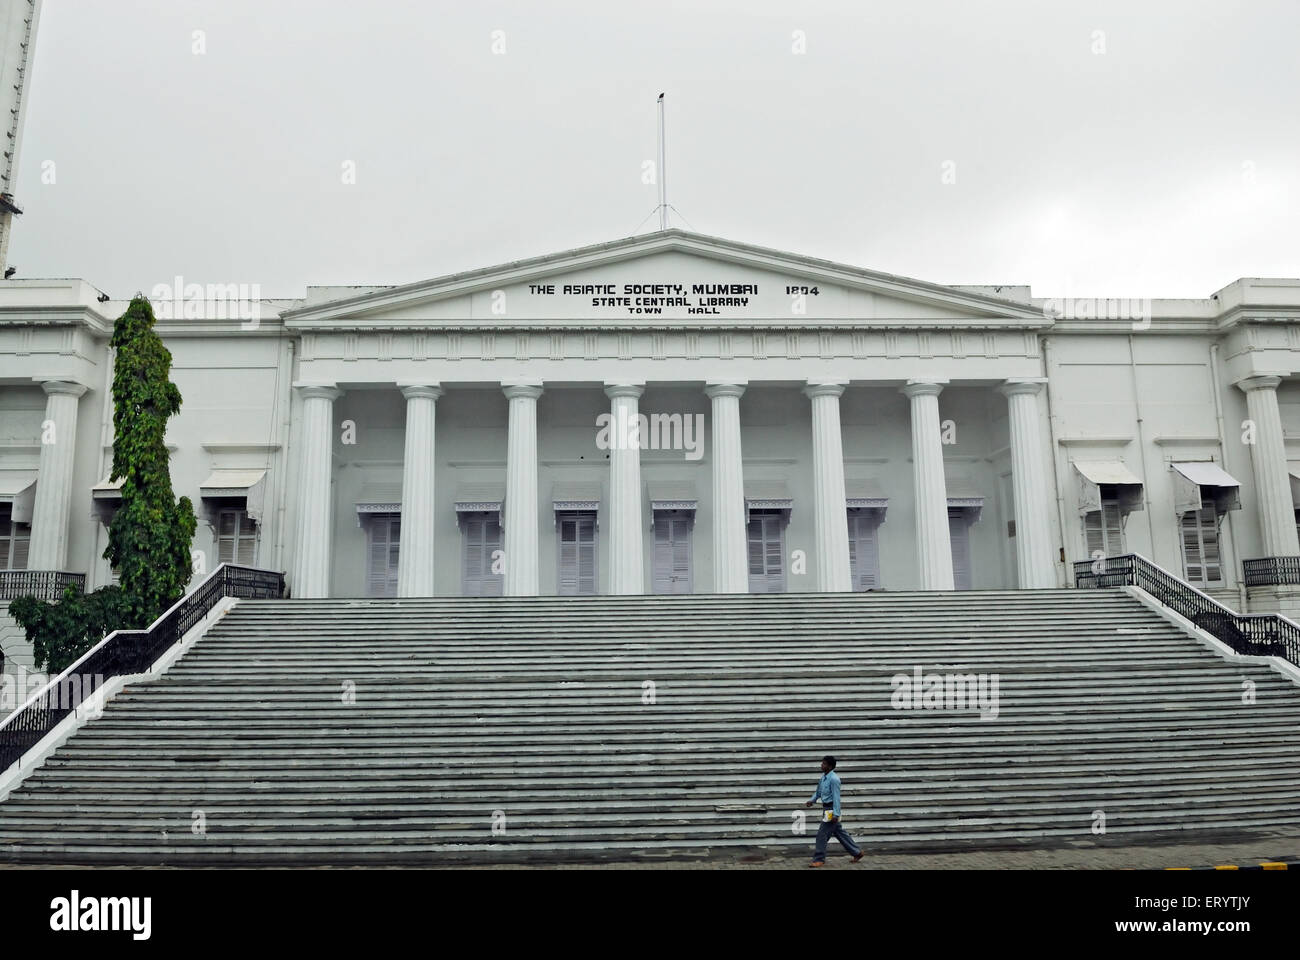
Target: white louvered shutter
(959, 534)
(864, 560)
(672, 553)
(1103, 530)
(587, 555)
(577, 568)
(384, 548)
(1114, 522)
(766, 552)
(481, 538)
(15, 538)
(683, 576)
(1200, 537)
(236, 538)
(663, 555)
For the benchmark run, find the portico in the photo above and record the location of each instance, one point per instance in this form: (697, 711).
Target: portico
(674, 413)
(795, 384)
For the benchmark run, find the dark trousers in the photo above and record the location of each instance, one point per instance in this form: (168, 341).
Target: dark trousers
(833, 828)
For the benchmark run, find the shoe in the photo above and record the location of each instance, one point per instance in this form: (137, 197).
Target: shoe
(817, 863)
(860, 855)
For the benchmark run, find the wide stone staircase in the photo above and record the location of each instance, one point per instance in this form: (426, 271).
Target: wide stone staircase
(436, 731)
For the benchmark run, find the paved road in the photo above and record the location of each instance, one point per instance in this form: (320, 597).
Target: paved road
(1280, 847)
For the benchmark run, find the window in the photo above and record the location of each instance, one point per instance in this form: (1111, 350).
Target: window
(480, 540)
(1103, 530)
(576, 574)
(236, 537)
(384, 536)
(1200, 537)
(672, 555)
(864, 557)
(766, 533)
(15, 538)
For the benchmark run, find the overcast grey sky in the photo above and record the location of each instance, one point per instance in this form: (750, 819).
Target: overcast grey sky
(1107, 149)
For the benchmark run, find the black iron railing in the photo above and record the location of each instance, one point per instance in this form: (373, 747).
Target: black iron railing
(124, 652)
(1271, 571)
(41, 584)
(1260, 634)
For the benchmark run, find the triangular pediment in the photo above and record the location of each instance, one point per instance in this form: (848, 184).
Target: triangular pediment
(668, 277)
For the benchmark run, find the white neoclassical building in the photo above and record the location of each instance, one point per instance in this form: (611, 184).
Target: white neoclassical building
(675, 413)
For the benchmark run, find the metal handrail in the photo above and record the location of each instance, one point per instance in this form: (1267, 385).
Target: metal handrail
(41, 584)
(125, 652)
(1257, 634)
(1271, 571)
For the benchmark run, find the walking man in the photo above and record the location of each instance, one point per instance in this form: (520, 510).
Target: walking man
(828, 792)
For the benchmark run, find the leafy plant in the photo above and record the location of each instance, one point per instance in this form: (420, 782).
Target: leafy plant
(150, 536)
(62, 631)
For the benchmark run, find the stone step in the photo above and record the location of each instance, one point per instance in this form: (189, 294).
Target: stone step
(533, 706)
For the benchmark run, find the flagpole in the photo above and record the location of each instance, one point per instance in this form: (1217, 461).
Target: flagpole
(663, 175)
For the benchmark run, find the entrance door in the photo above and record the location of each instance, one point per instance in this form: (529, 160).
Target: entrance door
(480, 539)
(766, 532)
(864, 558)
(577, 566)
(959, 534)
(673, 551)
(381, 571)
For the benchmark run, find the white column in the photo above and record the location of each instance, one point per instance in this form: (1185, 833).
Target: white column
(1035, 562)
(1272, 479)
(730, 552)
(831, 515)
(626, 560)
(415, 554)
(313, 543)
(933, 545)
(49, 544)
(521, 572)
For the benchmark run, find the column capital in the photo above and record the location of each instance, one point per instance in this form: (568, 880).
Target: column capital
(712, 390)
(528, 390)
(417, 391)
(923, 388)
(1260, 382)
(318, 391)
(62, 388)
(634, 390)
(825, 388)
(1023, 385)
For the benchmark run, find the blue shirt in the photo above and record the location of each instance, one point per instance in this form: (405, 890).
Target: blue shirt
(828, 791)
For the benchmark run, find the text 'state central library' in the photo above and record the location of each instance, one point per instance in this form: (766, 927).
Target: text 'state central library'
(675, 413)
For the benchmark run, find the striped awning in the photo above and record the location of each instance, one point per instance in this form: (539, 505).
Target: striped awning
(108, 489)
(1195, 480)
(672, 495)
(864, 493)
(480, 497)
(249, 484)
(1092, 474)
(380, 498)
(575, 495)
(767, 495)
(962, 492)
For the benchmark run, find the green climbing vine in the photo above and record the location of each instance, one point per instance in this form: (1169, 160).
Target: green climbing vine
(150, 536)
